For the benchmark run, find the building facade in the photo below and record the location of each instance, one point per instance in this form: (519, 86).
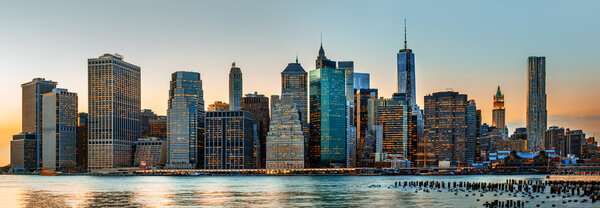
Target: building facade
(554, 139)
(365, 115)
(82, 140)
(148, 152)
(235, 87)
(498, 112)
(536, 102)
(158, 127)
(32, 110)
(59, 136)
(23, 152)
(145, 117)
(185, 128)
(229, 140)
(348, 67)
(393, 115)
(362, 81)
(258, 105)
(218, 106)
(113, 108)
(285, 141)
(294, 80)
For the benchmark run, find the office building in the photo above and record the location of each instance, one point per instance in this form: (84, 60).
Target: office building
(258, 105)
(294, 80)
(574, 140)
(365, 118)
(229, 140)
(471, 133)
(554, 139)
(235, 87)
(519, 134)
(82, 141)
(327, 144)
(113, 108)
(446, 126)
(285, 141)
(185, 128)
(393, 115)
(158, 127)
(361, 81)
(23, 152)
(59, 137)
(348, 67)
(274, 100)
(218, 106)
(498, 113)
(148, 152)
(536, 102)
(145, 117)
(32, 110)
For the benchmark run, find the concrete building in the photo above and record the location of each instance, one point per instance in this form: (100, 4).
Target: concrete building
(498, 113)
(148, 152)
(294, 80)
(59, 136)
(536, 102)
(32, 110)
(23, 152)
(229, 140)
(285, 141)
(185, 128)
(113, 108)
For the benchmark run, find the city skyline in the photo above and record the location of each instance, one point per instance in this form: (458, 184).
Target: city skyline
(570, 77)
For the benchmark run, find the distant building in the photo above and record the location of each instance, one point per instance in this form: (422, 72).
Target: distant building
(23, 152)
(393, 116)
(285, 141)
(82, 140)
(274, 100)
(365, 114)
(158, 127)
(519, 134)
(512, 145)
(555, 139)
(185, 121)
(471, 133)
(229, 140)
(574, 140)
(258, 105)
(498, 113)
(348, 67)
(235, 87)
(446, 126)
(362, 81)
(294, 79)
(218, 106)
(32, 110)
(113, 109)
(148, 152)
(327, 145)
(489, 143)
(145, 117)
(59, 129)
(536, 102)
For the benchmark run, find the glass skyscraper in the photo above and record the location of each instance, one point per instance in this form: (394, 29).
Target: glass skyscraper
(393, 115)
(114, 111)
(348, 67)
(361, 81)
(59, 129)
(229, 140)
(258, 105)
(536, 102)
(365, 118)
(235, 87)
(327, 145)
(185, 128)
(285, 142)
(32, 111)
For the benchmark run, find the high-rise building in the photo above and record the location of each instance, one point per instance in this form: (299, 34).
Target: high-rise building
(258, 105)
(327, 144)
(285, 142)
(294, 81)
(235, 87)
(393, 115)
(59, 136)
(365, 118)
(114, 111)
(274, 100)
(498, 111)
(554, 139)
(471, 133)
(446, 126)
(229, 140)
(82, 140)
(348, 67)
(158, 127)
(218, 106)
(478, 136)
(536, 102)
(519, 134)
(148, 152)
(361, 81)
(145, 117)
(185, 129)
(574, 140)
(32, 110)
(23, 152)
(406, 72)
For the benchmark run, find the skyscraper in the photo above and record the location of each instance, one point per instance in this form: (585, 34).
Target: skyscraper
(361, 81)
(554, 139)
(185, 129)
(82, 140)
(285, 142)
(536, 102)
(327, 145)
(274, 100)
(471, 133)
(348, 67)
(498, 112)
(258, 105)
(114, 111)
(235, 87)
(218, 106)
(145, 117)
(393, 115)
(59, 129)
(365, 118)
(158, 127)
(294, 81)
(446, 125)
(229, 140)
(406, 72)
(23, 152)
(32, 110)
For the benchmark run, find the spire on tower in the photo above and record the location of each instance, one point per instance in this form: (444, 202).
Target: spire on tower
(405, 47)
(233, 65)
(296, 57)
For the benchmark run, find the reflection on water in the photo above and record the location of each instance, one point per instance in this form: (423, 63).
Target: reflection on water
(235, 191)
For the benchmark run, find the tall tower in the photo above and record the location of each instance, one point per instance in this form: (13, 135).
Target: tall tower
(32, 111)
(185, 128)
(327, 145)
(536, 102)
(235, 87)
(294, 81)
(59, 129)
(285, 142)
(348, 67)
(406, 72)
(114, 111)
(498, 111)
(258, 105)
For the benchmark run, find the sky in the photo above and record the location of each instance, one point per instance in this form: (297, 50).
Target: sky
(471, 47)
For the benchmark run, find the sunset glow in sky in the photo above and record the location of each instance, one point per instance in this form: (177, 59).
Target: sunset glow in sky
(469, 46)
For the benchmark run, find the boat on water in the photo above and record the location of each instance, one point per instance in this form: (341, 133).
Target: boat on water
(48, 173)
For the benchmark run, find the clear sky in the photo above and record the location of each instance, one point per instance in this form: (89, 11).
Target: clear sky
(469, 46)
